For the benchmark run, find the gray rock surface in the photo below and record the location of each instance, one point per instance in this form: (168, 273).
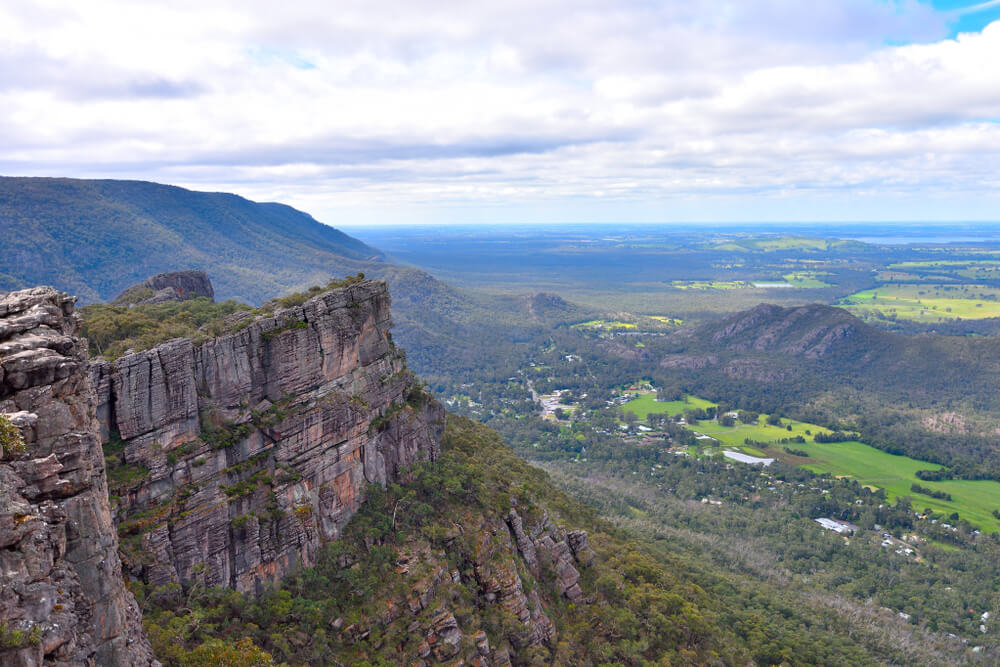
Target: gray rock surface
(174, 286)
(547, 542)
(60, 575)
(259, 444)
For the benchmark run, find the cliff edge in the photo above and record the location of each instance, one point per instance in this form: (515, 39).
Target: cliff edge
(63, 600)
(232, 462)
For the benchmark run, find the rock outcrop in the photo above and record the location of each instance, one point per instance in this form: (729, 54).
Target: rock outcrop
(239, 458)
(509, 566)
(63, 600)
(174, 286)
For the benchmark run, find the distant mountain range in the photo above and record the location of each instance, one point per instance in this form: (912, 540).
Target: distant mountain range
(816, 347)
(94, 238)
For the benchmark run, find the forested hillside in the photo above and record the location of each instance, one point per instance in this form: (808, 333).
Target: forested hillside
(420, 573)
(822, 363)
(95, 238)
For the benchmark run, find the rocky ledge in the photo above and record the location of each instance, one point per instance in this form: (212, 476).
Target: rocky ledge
(62, 597)
(163, 287)
(235, 460)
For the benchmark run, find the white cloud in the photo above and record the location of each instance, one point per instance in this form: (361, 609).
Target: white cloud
(411, 109)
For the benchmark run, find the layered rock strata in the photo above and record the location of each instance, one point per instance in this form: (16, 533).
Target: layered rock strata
(63, 600)
(239, 458)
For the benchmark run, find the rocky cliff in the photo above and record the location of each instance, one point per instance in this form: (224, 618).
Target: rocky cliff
(63, 600)
(232, 462)
(173, 286)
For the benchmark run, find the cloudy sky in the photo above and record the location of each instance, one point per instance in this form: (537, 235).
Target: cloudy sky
(404, 111)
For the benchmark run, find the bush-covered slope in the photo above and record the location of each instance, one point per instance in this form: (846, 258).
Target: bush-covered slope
(95, 238)
(432, 569)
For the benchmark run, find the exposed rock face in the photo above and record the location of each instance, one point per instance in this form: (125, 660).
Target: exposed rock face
(688, 361)
(549, 544)
(175, 286)
(499, 569)
(259, 444)
(60, 574)
(811, 331)
(618, 349)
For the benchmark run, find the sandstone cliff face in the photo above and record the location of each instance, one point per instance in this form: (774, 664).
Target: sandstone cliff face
(60, 575)
(241, 457)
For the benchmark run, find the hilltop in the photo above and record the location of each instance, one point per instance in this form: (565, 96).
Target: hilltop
(806, 346)
(931, 397)
(94, 238)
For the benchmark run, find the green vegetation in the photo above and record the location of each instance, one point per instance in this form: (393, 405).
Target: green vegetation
(925, 302)
(827, 451)
(940, 495)
(227, 434)
(656, 594)
(299, 298)
(604, 324)
(806, 279)
(709, 284)
(94, 238)
(643, 610)
(666, 319)
(785, 244)
(122, 476)
(111, 330)
(645, 404)
(973, 500)
(15, 638)
(11, 442)
(760, 432)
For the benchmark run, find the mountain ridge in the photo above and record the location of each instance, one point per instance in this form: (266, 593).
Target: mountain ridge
(67, 232)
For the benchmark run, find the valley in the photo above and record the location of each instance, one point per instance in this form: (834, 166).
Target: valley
(584, 334)
(651, 396)
(794, 442)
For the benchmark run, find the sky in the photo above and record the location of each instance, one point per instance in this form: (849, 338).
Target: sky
(434, 112)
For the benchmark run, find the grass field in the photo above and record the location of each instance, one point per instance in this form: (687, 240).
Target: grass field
(760, 432)
(926, 302)
(806, 279)
(645, 404)
(973, 500)
(666, 319)
(980, 269)
(604, 324)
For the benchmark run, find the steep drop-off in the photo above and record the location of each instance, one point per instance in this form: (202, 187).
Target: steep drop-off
(232, 462)
(63, 600)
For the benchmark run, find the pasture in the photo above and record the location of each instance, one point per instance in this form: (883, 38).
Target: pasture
(646, 404)
(734, 436)
(973, 500)
(926, 302)
(604, 324)
(806, 279)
